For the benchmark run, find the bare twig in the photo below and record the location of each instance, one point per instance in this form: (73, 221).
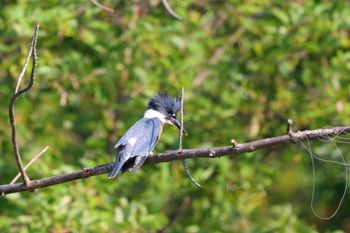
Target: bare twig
(99, 5)
(234, 143)
(32, 52)
(289, 126)
(168, 8)
(20, 77)
(182, 97)
(184, 154)
(30, 163)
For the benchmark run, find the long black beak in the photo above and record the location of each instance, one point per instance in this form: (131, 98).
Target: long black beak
(176, 122)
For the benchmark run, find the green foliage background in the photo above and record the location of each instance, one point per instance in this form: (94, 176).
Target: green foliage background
(247, 66)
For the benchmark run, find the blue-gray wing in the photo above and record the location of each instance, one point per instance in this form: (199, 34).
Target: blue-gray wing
(142, 136)
(146, 141)
(139, 140)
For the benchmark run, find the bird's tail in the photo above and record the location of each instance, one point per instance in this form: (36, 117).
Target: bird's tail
(116, 169)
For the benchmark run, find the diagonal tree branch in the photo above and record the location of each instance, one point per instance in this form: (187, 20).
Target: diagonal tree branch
(29, 164)
(99, 5)
(176, 214)
(18, 92)
(171, 12)
(168, 156)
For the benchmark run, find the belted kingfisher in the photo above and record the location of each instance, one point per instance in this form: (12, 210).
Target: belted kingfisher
(138, 142)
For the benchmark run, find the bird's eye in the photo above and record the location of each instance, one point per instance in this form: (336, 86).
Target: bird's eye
(173, 115)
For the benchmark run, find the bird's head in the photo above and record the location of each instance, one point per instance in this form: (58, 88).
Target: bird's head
(167, 106)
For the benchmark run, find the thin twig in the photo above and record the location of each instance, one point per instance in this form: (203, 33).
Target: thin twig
(168, 8)
(290, 126)
(189, 174)
(29, 164)
(182, 97)
(20, 77)
(32, 52)
(184, 154)
(99, 5)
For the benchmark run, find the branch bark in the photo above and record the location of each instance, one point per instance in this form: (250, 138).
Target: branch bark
(18, 92)
(168, 156)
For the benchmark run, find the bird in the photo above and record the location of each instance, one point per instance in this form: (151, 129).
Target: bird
(140, 139)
